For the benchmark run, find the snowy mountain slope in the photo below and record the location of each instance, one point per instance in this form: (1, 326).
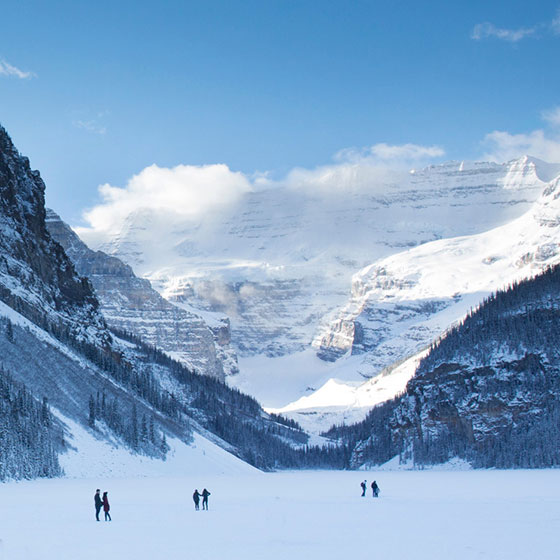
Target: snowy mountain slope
(401, 304)
(278, 260)
(66, 377)
(54, 340)
(90, 457)
(340, 401)
(185, 407)
(129, 304)
(487, 392)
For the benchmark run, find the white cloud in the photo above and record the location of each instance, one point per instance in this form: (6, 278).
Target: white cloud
(185, 191)
(91, 126)
(394, 154)
(541, 143)
(370, 168)
(552, 117)
(168, 197)
(555, 24)
(342, 177)
(6, 69)
(485, 30)
(504, 146)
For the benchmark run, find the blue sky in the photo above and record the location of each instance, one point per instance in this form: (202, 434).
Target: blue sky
(94, 92)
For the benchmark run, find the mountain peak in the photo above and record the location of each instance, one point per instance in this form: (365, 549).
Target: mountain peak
(544, 171)
(35, 273)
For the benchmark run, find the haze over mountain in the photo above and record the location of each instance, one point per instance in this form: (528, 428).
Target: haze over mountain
(279, 258)
(403, 303)
(130, 304)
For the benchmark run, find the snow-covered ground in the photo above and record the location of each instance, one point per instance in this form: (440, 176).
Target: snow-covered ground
(301, 515)
(101, 458)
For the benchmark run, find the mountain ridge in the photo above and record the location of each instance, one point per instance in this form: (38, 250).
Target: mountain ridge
(129, 303)
(55, 343)
(279, 261)
(486, 392)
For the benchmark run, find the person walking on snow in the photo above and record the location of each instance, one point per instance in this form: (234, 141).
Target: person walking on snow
(98, 503)
(375, 489)
(205, 495)
(106, 507)
(196, 499)
(364, 486)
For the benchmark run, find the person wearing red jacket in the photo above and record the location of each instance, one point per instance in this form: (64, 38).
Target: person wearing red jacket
(106, 507)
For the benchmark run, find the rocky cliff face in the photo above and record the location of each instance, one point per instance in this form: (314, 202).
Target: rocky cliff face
(487, 392)
(36, 276)
(55, 341)
(130, 304)
(400, 304)
(280, 260)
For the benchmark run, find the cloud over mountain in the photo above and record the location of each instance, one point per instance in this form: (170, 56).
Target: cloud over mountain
(541, 143)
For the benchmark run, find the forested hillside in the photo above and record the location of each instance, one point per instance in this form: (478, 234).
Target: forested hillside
(488, 392)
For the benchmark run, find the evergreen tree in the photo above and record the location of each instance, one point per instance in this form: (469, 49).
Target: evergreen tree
(91, 417)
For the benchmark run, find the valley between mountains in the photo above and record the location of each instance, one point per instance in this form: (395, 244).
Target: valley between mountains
(409, 319)
(329, 299)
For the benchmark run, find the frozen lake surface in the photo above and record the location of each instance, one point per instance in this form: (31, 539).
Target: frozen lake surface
(297, 515)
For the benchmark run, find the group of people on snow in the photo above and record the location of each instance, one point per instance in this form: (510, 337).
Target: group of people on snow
(196, 499)
(374, 488)
(101, 502)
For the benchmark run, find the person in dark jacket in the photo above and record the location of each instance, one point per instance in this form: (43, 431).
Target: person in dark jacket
(364, 486)
(98, 503)
(106, 507)
(205, 495)
(375, 489)
(196, 499)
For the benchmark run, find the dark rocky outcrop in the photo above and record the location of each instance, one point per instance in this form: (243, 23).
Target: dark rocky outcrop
(488, 392)
(130, 304)
(30, 258)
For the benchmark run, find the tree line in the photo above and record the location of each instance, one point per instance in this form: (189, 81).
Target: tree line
(30, 437)
(487, 392)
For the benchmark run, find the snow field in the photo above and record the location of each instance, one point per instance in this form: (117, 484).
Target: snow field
(300, 515)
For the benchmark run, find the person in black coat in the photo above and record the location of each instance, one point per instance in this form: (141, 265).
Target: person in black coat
(196, 499)
(98, 503)
(375, 489)
(205, 495)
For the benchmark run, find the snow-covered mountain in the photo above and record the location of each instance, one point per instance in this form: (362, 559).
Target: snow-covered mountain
(487, 392)
(401, 304)
(61, 365)
(280, 261)
(130, 304)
